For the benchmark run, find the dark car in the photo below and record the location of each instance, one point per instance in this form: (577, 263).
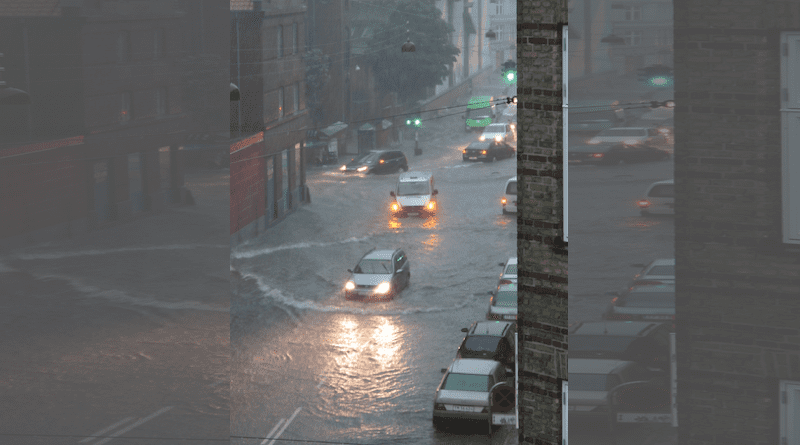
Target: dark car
(487, 151)
(491, 340)
(377, 161)
(612, 154)
(646, 343)
(644, 303)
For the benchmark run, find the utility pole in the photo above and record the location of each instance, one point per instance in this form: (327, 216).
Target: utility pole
(465, 49)
(587, 38)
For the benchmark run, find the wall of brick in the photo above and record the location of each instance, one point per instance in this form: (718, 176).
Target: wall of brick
(737, 283)
(541, 250)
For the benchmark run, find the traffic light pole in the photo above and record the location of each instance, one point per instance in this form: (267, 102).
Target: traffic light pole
(417, 150)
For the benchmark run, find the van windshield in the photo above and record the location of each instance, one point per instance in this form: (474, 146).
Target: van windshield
(413, 188)
(512, 188)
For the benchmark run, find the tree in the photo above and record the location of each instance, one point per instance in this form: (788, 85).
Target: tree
(410, 74)
(318, 67)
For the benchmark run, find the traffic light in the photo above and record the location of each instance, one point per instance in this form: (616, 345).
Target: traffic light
(414, 122)
(510, 72)
(656, 75)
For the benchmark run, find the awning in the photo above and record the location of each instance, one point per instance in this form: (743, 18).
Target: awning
(386, 124)
(334, 128)
(366, 127)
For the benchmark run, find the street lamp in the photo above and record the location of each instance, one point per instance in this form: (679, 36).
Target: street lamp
(408, 47)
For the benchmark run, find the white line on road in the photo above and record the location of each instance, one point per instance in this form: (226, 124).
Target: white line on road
(275, 428)
(286, 425)
(107, 429)
(135, 424)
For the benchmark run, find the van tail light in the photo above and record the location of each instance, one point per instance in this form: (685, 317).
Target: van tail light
(504, 281)
(503, 201)
(597, 155)
(381, 161)
(643, 203)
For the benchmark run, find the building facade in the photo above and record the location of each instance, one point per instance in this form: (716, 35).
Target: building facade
(541, 246)
(101, 138)
(737, 226)
(270, 122)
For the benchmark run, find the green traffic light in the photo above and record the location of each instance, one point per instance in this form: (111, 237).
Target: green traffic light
(510, 76)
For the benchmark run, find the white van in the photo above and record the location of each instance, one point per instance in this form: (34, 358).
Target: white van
(509, 201)
(660, 199)
(415, 194)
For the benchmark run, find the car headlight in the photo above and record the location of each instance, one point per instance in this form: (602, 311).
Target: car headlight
(483, 152)
(498, 138)
(343, 168)
(482, 138)
(431, 205)
(395, 207)
(361, 169)
(383, 288)
(503, 201)
(350, 285)
(464, 151)
(513, 126)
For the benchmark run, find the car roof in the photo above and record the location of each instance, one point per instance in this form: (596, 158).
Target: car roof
(668, 181)
(476, 366)
(382, 254)
(651, 288)
(512, 260)
(612, 328)
(662, 262)
(479, 144)
(595, 365)
(510, 287)
(415, 176)
(510, 180)
(494, 328)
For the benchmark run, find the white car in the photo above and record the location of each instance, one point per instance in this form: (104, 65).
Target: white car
(466, 389)
(660, 199)
(509, 201)
(503, 305)
(509, 273)
(659, 271)
(498, 132)
(629, 136)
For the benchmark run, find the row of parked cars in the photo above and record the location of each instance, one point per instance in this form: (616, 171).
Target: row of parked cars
(622, 364)
(479, 383)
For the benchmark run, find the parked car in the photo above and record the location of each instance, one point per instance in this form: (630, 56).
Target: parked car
(660, 199)
(499, 132)
(379, 274)
(503, 304)
(646, 343)
(490, 340)
(509, 201)
(658, 271)
(644, 303)
(414, 195)
(599, 388)
(509, 273)
(629, 136)
(487, 151)
(613, 154)
(377, 161)
(466, 388)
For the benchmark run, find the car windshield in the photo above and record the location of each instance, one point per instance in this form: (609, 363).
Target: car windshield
(511, 269)
(466, 382)
(506, 299)
(592, 343)
(374, 267)
(650, 299)
(592, 382)
(495, 128)
(413, 188)
(662, 270)
(479, 344)
(614, 132)
(512, 188)
(372, 157)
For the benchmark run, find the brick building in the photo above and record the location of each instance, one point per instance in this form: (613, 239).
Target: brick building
(542, 252)
(737, 221)
(100, 140)
(269, 123)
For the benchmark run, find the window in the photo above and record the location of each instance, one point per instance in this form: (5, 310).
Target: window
(296, 97)
(790, 136)
(158, 43)
(125, 107)
(161, 101)
(633, 38)
(294, 38)
(280, 103)
(790, 412)
(633, 12)
(280, 41)
(123, 46)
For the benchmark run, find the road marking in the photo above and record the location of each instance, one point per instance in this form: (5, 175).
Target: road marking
(135, 424)
(286, 425)
(107, 429)
(277, 425)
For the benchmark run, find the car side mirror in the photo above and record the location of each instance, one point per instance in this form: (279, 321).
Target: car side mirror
(444, 370)
(350, 270)
(501, 264)
(490, 293)
(435, 192)
(391, 193)
(464, 329)
(400, 270)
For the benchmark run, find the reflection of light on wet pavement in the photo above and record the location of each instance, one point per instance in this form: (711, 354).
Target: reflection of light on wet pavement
(640, 223)
(387, 344)
(431, 223)
(432, 242)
